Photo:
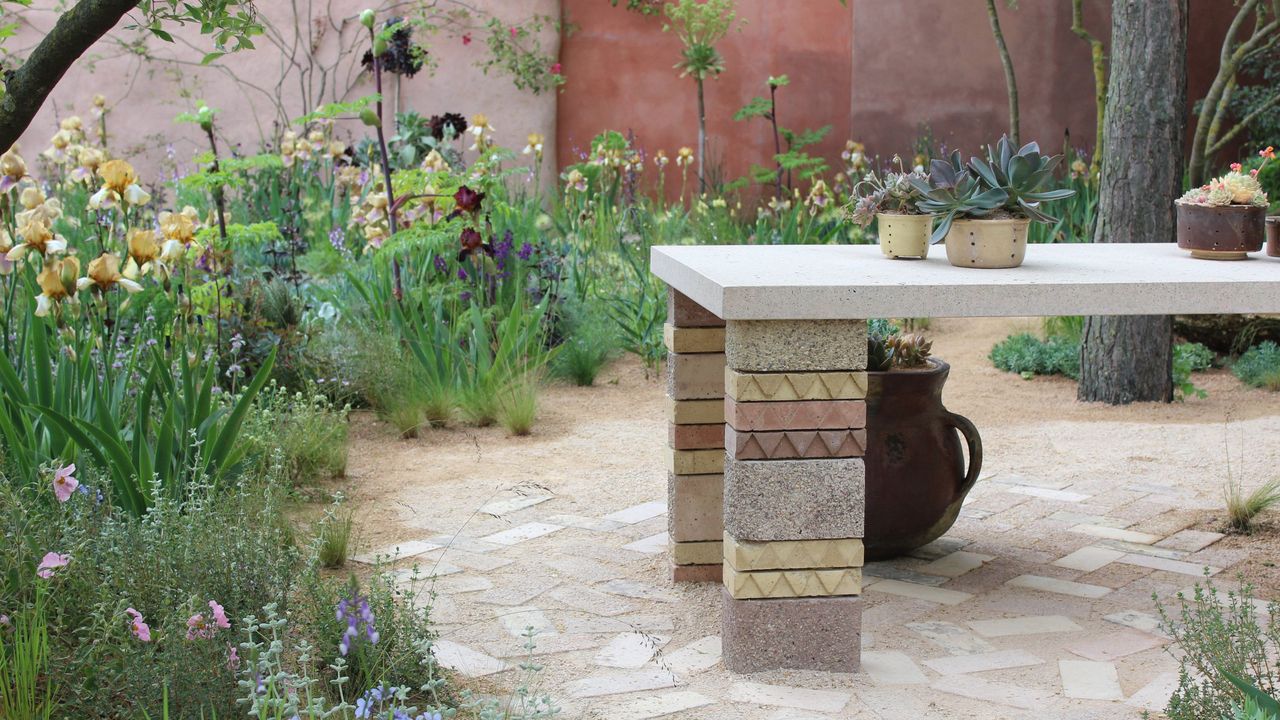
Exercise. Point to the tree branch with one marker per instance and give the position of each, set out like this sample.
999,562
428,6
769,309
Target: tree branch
75,32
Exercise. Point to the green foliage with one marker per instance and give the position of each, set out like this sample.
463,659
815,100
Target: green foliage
1189,358
1220,633
333,537
305,428
518,405
1257,704
228,21
1029,356
335,110
1260,366
589,346
26,686
700,24
517,51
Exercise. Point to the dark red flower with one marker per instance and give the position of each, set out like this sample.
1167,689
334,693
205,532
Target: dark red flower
471,241
555,69
466,38
468,200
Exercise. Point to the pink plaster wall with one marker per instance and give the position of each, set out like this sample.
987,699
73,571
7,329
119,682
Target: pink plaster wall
146,95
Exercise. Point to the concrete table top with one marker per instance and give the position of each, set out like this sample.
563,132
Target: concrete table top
832,282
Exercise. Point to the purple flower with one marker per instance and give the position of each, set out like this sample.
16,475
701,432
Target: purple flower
462,274
526,251
441,264
355,612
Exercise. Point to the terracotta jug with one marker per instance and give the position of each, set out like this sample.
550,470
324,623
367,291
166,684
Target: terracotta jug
916,474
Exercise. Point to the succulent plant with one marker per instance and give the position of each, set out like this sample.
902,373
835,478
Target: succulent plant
1022,175
910,350
1008,180
952,191
897,350
1235,188
891,192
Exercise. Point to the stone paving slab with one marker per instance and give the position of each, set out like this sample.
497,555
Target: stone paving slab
999,660
1090,680
792,697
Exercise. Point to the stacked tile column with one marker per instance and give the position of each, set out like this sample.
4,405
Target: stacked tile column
794,494
695,479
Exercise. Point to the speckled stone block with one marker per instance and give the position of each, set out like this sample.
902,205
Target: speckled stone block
693,340
695,376
774,584
696,573
796,415
697,553
695,437
792,634
794,444
793,554
695,462
777,387
695,507
695,412
796,345
767,500
683,312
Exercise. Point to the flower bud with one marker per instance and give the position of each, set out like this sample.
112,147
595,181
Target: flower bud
366,18
369,117
205,116
379,45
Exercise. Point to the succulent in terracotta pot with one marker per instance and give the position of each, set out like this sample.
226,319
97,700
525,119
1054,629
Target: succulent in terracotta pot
985,206
916,471
1226,218
890,199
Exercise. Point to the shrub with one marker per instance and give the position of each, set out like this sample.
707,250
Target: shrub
1260,366
590,345
1189,358
333,537
1243,509
1219,633
1028,356
518,406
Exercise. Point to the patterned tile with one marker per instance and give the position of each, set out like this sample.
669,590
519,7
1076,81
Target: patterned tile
796,415
756,387
774,584
795,444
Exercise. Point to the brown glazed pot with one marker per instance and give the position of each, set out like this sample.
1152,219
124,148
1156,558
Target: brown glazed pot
1228,232
1273,235
916,474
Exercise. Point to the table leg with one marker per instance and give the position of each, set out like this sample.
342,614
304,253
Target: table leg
695,479
794,494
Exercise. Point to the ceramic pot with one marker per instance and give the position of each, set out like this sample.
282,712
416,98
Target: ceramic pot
987,243
1228,232
917,476
904,236
1273,235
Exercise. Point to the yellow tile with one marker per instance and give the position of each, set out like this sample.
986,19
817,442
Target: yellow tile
770,584
793,554
693,340
697,553
695,462
763,387
695,412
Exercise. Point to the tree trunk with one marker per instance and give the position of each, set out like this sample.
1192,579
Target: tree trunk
1128,359
75,32
1011,83
702,138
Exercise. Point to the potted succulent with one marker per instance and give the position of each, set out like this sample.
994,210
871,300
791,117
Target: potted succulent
1225,219
985,206
916,473
891,200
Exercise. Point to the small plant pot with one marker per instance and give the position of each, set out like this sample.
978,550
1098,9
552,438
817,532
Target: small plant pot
1273,235
987,243
1229,232
904,236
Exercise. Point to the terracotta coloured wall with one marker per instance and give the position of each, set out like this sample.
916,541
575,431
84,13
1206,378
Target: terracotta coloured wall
879,71
619,66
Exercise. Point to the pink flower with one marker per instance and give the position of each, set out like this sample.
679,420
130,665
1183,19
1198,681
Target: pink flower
197,627
140,628
4,620
220,620
466,38
64,484
555,69
233,658
49,562
1235,167
514,33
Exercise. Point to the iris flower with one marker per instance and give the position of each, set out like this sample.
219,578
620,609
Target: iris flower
57,284
120,182
36,237
104,274
13,168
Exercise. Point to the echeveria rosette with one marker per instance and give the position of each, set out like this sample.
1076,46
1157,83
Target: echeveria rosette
1234,188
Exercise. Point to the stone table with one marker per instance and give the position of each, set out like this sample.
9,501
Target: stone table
767,380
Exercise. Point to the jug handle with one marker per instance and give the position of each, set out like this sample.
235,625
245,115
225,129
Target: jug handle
974,441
